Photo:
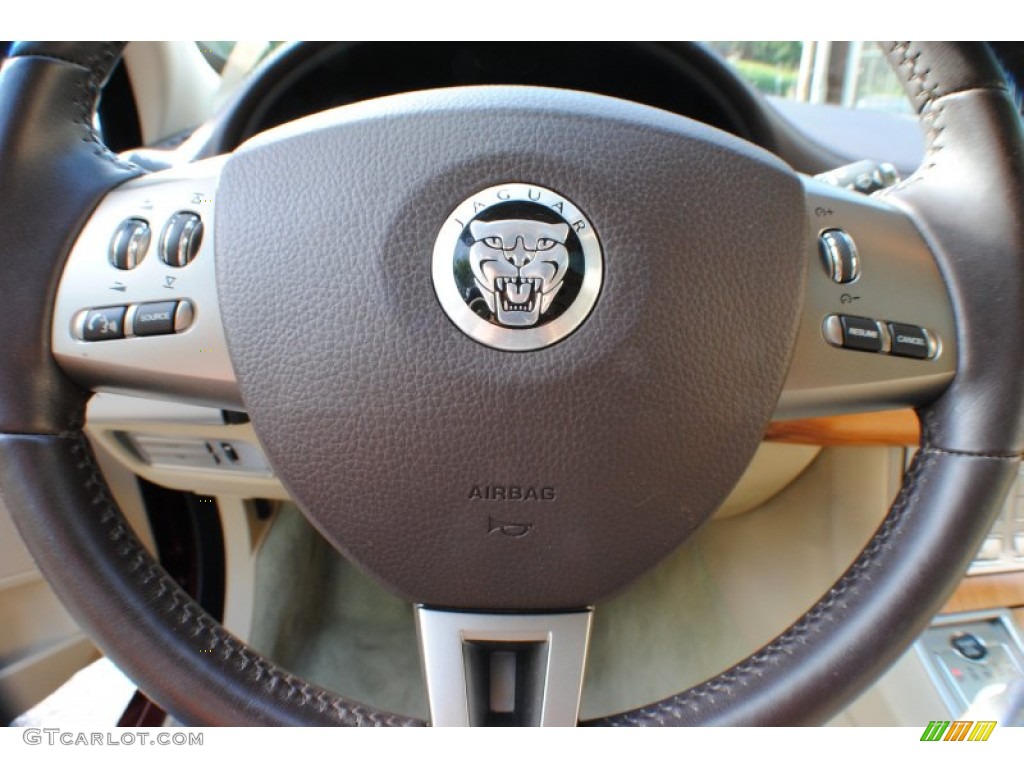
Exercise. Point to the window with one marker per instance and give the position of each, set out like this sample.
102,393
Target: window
850,74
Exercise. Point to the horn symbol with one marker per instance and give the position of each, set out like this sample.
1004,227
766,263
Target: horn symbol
515,530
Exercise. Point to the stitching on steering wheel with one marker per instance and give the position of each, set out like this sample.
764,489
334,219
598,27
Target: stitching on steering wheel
930,115
96,66
930,105
824,611
929,424
925,93
169,599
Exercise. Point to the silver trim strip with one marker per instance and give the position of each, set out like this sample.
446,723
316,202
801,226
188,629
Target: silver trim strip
133,253
165,245
115,246
933,343
78,324
184,315
833,330
185,241
443,634
129,320
885,336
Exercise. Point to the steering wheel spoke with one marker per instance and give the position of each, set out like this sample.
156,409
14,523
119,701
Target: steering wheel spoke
503,669
137,309
877,329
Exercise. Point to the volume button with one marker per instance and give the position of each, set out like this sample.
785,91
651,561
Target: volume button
181,238
129,244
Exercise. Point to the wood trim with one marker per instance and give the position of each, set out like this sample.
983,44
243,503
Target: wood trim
881,428
996,590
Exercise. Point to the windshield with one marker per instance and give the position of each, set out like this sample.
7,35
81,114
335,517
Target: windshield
851,74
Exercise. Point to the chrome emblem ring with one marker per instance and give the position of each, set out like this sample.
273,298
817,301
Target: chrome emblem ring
517,267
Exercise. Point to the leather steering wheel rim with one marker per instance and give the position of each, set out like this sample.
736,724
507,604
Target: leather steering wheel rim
972,435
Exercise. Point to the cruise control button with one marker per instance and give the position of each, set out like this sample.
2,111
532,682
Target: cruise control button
103,324
839,255
154,319
909,341
861,333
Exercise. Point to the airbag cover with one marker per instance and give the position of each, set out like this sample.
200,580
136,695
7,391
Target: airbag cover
465,476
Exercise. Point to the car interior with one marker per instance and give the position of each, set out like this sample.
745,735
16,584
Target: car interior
511,383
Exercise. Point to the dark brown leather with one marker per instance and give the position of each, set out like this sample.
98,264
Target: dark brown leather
139,616
931,70
116,591
864,622
382,416
968,199
54,170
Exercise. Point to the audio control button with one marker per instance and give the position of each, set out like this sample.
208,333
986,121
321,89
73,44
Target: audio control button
181,238
154,319
101,324
130,243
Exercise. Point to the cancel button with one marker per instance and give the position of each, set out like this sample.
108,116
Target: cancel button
155,318
909,341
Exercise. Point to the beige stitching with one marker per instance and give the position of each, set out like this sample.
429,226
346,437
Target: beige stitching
931,115
86,94
809,624
235,658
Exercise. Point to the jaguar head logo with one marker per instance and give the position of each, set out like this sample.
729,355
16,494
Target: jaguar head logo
518,265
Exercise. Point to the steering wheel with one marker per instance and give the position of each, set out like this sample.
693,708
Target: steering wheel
507,348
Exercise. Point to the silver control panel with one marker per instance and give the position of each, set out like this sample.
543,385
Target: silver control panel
138,313
971,655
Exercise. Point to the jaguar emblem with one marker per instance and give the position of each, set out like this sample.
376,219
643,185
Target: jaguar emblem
517,267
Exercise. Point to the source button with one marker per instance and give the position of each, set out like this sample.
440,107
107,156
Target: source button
154,319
